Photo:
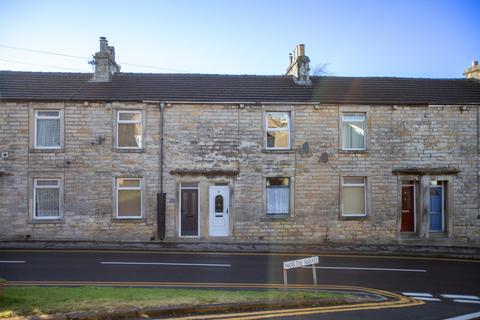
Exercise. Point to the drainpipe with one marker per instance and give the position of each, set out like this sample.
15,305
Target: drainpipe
161,196
162,122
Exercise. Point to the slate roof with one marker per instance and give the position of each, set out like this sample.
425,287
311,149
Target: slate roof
46,86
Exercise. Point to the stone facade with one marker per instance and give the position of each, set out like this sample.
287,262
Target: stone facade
87,172
208,144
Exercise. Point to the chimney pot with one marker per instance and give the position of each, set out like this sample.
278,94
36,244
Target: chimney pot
301,49
103,44
474,63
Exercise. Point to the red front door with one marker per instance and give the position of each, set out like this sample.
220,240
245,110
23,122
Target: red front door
408,209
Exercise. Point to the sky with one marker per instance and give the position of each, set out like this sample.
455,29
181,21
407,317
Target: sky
407,38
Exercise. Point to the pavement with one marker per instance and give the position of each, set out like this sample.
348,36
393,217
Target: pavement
424,248
446,287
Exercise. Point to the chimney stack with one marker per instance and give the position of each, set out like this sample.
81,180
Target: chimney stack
299,67
473,71
104,61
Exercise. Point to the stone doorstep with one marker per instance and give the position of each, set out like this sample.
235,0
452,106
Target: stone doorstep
430,249
148,312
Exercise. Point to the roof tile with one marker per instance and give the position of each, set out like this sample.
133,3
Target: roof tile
46,86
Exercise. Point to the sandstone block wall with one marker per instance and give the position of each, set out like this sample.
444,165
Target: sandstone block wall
87,173
230,138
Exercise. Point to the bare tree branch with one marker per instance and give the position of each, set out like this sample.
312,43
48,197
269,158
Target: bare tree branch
320,70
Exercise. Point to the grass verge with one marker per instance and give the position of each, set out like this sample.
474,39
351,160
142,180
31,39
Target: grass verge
28,301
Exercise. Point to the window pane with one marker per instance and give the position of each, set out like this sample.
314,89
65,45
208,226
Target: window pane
129,203
353,117
353,180
48,132
277,139
278,200
48,114
128,183
47,182
353,200
278,181
47,202
130,116
353,135
277,120
130,135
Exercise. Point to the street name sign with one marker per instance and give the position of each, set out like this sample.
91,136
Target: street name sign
299,263
311,261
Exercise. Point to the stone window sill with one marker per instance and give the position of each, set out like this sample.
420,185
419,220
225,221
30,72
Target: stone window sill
128,220
273,151
353,151
47,221
34,150
119,150
278,217
353,218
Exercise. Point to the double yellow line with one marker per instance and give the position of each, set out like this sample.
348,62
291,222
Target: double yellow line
302,311
391,300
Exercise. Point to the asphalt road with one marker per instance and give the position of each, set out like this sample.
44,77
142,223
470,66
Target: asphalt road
429,311
429,278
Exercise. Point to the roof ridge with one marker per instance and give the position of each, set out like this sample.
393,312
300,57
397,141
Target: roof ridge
216,75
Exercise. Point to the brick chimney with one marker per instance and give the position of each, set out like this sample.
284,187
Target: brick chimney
473,71
104,61
299,67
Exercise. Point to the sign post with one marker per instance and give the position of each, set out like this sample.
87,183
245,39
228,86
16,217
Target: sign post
311,261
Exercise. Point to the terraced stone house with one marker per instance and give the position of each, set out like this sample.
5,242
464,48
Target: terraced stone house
239,158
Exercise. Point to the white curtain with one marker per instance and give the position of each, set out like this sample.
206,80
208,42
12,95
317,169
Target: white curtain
48,132
47,202
353,135
278,200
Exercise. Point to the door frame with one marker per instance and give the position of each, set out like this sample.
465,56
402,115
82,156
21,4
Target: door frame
227,187
414,208
180,211
442,186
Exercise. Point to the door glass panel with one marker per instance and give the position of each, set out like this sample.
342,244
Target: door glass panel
218,203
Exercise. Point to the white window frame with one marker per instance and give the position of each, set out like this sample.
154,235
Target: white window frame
119,122
364,114
35,187
118,188
38,117
267,130
289,197
347,185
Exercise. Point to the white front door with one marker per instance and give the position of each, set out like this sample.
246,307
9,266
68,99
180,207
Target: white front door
219,211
